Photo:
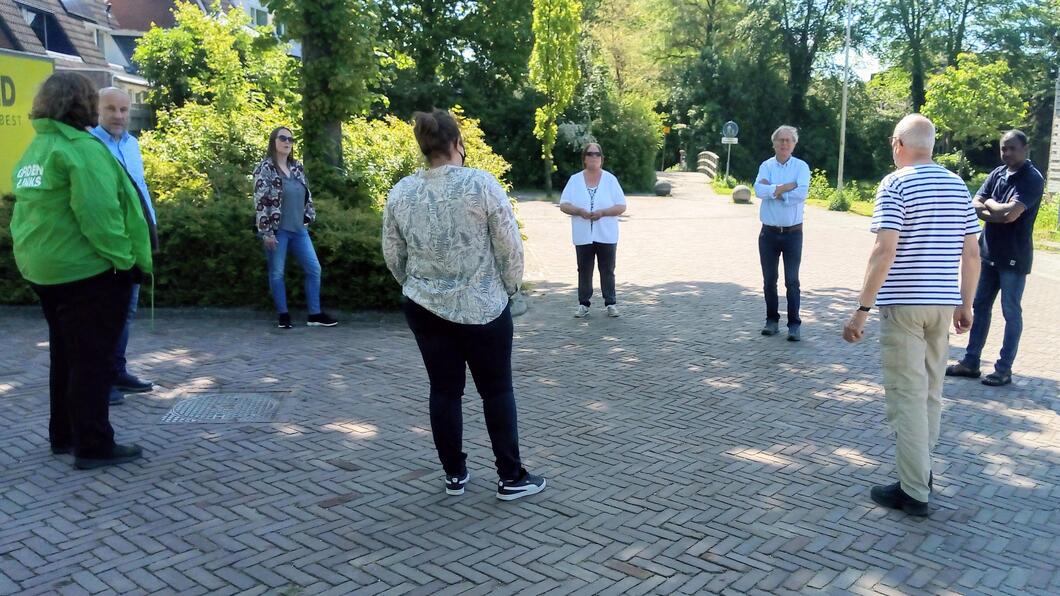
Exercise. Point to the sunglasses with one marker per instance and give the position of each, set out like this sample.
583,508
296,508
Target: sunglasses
593,154
285,138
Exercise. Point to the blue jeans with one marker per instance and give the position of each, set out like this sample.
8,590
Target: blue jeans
771,245
1010,283
123,340
302,247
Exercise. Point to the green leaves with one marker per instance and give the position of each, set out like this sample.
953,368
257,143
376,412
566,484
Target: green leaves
554,64
973,102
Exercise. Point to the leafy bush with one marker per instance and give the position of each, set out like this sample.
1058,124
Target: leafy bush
723,185
956,162
13,289
976,182
840,201
820,188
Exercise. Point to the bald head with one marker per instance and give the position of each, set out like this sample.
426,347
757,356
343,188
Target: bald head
913,141
114,111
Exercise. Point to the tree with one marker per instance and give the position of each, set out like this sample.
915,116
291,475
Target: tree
214,59
973,102
339,67
807,28
909,24
553,69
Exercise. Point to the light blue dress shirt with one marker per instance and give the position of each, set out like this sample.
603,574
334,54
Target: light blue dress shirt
127,151
787,210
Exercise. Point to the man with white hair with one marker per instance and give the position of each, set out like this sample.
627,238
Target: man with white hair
113,131
922,274
782,184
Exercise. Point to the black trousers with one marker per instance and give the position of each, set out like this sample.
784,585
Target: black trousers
85,321
448,350
771,245
602,256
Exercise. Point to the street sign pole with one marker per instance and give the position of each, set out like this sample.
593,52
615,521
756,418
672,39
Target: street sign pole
728,137
728,154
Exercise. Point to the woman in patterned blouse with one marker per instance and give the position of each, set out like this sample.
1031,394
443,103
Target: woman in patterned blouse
451,240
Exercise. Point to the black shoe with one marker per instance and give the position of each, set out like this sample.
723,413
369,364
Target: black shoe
127,383
960,370
61,449
321,319
893,497
510,490
795,333
285,321
771,328
115,398
454,485
997,379
119,454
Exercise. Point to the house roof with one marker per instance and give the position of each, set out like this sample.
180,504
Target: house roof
73,26
139,14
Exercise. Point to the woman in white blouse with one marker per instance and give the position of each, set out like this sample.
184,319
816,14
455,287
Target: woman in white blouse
451,240
594,200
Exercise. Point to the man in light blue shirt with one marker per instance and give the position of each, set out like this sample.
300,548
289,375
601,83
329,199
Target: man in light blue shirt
782,184
113,131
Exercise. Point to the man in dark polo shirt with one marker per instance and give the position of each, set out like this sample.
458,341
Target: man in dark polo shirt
1008,202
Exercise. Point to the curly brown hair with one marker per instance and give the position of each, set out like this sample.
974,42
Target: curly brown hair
67,97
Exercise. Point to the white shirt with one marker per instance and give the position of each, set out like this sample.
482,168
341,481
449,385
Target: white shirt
930,209
451,240
608,194
788,209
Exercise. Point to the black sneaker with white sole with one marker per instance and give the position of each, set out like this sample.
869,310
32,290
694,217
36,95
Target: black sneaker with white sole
510,490
454,485
321,319
284,321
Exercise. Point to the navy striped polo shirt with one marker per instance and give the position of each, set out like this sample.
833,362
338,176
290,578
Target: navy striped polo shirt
931,209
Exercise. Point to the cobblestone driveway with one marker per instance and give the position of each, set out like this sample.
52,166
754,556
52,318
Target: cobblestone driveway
685,453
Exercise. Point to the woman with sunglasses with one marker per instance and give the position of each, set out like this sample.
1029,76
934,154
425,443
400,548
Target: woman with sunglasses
284,207
594,200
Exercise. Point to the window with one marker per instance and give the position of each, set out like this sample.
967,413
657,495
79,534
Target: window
100,43
48,31
261,17
280,30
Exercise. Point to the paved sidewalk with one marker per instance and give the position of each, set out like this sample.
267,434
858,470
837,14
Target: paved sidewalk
685,453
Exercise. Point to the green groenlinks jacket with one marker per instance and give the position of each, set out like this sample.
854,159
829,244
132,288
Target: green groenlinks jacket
76,212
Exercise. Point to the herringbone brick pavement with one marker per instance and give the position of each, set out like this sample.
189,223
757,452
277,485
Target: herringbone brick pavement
685,453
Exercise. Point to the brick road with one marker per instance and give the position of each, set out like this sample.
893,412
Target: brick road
685,453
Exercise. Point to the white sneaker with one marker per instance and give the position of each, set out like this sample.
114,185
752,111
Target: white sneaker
612,310
582,312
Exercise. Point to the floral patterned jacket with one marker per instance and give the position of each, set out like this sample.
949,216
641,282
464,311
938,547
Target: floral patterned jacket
451,240
268,195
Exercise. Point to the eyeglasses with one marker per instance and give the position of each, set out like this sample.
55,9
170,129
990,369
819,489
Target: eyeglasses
285,138
892,139
593,154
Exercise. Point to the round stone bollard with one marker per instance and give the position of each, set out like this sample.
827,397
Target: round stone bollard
663,188
741,194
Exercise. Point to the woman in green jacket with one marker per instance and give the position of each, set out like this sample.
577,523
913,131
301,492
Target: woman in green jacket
80,239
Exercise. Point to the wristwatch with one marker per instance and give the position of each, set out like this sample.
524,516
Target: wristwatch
863,308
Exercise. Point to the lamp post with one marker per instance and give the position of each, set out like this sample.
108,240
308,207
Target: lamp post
843,117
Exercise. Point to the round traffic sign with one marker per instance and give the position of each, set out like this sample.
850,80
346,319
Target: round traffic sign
730,129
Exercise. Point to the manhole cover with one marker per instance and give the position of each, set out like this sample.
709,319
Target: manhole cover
230,407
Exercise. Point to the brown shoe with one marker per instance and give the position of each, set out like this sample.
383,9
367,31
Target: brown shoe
960,370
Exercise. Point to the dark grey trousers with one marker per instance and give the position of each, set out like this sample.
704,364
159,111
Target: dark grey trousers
603,256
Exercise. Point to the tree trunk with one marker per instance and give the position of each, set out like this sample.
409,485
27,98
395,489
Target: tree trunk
548,177
916,89
323,134
799,83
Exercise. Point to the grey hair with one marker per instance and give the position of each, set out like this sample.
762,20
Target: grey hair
785,128
916,132
114,90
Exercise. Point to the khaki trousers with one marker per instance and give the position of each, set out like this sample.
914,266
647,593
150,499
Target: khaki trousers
914,341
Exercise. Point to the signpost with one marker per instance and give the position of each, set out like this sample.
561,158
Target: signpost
729,132
20,76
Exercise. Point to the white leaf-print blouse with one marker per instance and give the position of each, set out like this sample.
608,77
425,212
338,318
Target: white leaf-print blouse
451,240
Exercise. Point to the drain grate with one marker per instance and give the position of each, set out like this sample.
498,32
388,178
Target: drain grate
220,409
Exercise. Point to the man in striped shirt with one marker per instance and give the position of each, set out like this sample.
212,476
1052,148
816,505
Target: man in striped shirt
922,274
